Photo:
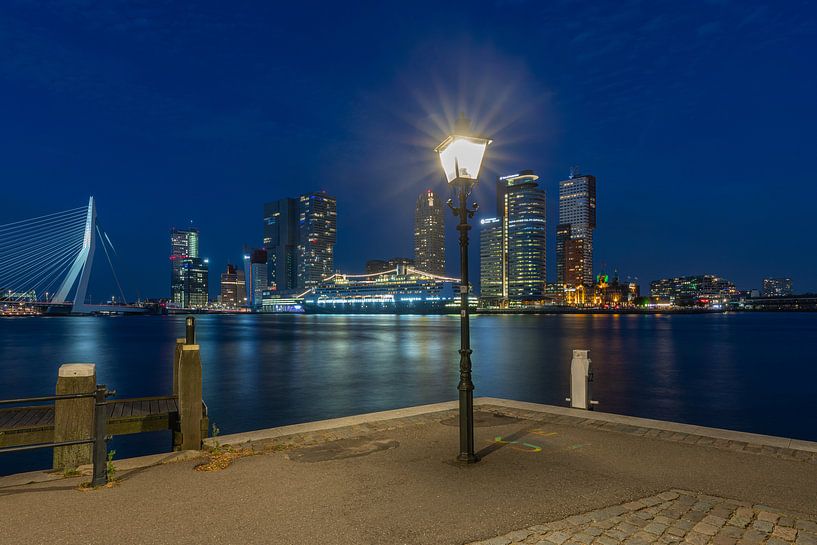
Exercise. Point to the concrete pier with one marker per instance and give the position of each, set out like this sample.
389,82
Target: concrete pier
554,475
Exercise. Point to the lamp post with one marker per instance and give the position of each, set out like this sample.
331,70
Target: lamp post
461,157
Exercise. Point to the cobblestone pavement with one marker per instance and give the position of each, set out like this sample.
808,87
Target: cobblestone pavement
669,518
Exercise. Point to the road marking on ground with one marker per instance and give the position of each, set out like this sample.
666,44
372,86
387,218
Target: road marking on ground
523,446
528,446
544,433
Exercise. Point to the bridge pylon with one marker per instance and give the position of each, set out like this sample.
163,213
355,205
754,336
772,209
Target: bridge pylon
81,268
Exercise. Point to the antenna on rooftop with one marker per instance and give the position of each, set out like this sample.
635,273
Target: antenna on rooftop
574,172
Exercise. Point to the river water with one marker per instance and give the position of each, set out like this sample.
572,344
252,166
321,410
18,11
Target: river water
753,372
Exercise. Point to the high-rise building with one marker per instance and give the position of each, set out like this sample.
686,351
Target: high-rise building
777,287
562,240
233,289
184,244
577,210
574,263
317,234
281,243
491,262
513,265
195,284
255,273
429,234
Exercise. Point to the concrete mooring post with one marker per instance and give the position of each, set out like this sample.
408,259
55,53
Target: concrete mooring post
74,418
581,375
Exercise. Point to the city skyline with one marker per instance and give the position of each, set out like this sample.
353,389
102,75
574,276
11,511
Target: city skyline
688,130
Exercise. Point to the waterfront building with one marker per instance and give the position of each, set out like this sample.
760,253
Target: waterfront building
404,290
577,210
374,266
233,287
281,243
789,303
613,293
513,245
562,239
574,280
317,234
698,290
184,244
255,273
777,287
194,273
491,263
429,233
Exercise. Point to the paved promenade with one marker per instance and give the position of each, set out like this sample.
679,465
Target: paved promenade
547,475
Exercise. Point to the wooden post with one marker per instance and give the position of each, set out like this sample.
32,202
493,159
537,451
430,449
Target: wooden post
74,418
189,397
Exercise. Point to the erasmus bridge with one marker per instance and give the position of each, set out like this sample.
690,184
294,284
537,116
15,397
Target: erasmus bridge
46,262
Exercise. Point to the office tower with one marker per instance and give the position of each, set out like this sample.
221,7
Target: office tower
513,264
281,243
577,209
562,239
255,274
777,287
574,271
491,259
195,284
317,234
374,266
184,244
429,234
233,288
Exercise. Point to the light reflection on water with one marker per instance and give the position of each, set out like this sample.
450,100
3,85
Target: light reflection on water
262,370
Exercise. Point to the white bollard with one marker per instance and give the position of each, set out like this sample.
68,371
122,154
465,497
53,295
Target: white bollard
581,375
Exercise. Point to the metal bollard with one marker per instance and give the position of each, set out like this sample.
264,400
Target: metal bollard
190,333
581,375
100,455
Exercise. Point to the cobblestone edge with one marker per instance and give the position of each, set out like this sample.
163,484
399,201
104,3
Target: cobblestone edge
674,517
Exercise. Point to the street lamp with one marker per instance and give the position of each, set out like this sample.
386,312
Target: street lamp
461,157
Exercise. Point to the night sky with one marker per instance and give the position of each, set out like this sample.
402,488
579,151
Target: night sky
697,118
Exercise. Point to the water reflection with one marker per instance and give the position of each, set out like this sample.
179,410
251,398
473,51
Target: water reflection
263,370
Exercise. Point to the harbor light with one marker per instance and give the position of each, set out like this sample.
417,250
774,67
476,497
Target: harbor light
461,157
461,153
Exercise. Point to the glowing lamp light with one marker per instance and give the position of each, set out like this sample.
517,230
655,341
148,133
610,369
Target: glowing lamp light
461,154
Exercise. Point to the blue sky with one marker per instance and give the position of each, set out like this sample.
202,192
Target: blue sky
697,118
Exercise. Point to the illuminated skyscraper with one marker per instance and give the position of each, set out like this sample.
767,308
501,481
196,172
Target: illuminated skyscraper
281,243
233,290
513,247
255,273
491,261
577,220
429,234
194,272
184,245
317,234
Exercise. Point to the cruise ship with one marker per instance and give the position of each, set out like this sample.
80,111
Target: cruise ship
402,290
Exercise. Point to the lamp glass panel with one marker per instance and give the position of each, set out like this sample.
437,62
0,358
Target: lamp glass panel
463,153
